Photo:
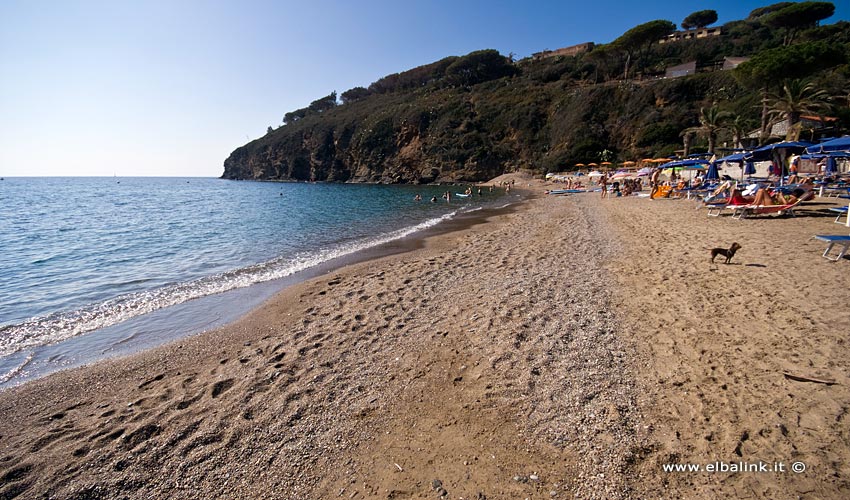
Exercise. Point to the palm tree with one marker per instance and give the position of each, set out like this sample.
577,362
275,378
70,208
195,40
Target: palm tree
711,121
738,126
687,136
796,98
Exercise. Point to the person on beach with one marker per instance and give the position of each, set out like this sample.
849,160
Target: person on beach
603,182
653,181
794,167
765,198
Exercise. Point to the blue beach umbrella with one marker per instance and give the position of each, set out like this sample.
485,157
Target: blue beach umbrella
830,167
733,158
712,174
775,153
691,163
840,144
749,168
770,151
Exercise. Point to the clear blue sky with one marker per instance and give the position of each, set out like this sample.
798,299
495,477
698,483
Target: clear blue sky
170,88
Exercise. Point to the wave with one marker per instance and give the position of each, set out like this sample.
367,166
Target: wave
5,377
62,326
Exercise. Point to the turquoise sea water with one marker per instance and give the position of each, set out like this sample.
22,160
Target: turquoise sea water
82,255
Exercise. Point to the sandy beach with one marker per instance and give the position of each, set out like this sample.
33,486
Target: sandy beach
568,349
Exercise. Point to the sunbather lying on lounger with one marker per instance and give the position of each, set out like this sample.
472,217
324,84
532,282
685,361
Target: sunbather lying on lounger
765,198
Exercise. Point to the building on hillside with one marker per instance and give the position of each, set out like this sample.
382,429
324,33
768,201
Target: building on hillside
689,68
692,34
733,62
810,126
565,51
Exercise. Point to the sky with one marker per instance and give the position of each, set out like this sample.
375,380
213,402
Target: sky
171,88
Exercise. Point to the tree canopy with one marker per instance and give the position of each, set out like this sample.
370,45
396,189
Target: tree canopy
795,61
762,11
639,39
323,103
479,66
355,94
699,19
798,15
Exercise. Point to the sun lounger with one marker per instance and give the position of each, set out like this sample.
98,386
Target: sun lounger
742,212
834,239
842,212
716,208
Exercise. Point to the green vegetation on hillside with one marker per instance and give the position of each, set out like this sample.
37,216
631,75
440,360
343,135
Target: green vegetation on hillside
476,116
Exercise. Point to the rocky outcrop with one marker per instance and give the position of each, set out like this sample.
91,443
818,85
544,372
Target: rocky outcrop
351,154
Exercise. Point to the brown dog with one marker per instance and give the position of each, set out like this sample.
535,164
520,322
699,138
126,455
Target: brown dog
726,252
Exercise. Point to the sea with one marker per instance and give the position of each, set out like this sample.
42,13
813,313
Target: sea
97,267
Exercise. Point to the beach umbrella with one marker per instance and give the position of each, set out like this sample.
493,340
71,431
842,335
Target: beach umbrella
770,151
580,165
645,171
712,174
840,144
592,165
595,173
818,156
733,158
830,167
749,168
622,175
776,153
628,163
689,163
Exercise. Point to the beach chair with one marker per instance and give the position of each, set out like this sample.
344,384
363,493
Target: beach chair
832,240
842,212
717,207
742,212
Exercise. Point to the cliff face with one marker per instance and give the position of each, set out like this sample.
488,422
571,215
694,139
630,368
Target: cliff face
328,155
372,145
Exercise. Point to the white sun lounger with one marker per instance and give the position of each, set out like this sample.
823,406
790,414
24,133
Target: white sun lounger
842,241
842,212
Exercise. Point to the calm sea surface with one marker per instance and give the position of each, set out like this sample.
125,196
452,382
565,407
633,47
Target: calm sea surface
79,257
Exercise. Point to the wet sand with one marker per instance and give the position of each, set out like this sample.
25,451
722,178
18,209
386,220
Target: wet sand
567,349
